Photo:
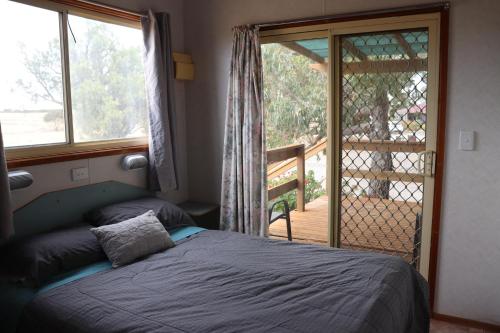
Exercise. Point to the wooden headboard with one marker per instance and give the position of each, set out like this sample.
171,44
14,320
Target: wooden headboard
66,207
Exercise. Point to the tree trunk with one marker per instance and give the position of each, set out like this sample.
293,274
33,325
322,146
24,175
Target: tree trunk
379,130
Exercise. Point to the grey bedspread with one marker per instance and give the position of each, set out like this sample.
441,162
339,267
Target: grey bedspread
227,282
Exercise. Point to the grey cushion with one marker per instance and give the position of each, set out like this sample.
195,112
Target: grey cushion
129,240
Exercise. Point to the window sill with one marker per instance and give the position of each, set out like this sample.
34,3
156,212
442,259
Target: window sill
21,157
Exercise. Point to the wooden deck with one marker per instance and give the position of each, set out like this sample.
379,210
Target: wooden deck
367,223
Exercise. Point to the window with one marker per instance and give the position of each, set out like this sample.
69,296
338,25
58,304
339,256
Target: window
107,81
31,89
69,81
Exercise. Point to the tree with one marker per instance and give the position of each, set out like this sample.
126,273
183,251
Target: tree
45,69
370,100
109,97
295,98
107,83
379,130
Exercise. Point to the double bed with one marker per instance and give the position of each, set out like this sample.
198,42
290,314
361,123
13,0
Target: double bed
214,281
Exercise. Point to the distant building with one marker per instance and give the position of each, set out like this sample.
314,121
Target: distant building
415,113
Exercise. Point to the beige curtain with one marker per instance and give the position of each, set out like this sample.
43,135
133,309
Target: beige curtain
244,176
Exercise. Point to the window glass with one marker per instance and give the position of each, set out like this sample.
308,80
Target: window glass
107,81
31,93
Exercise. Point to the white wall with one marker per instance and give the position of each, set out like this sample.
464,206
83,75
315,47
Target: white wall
469,257
57,176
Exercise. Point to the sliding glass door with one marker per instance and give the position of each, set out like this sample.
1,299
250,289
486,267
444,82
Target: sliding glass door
385,93
383,118
381,76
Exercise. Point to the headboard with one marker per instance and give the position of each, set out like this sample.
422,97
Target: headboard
60,208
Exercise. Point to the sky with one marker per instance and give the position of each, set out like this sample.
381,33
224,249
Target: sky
35,28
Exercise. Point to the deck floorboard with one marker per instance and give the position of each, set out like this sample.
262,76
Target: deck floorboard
367,223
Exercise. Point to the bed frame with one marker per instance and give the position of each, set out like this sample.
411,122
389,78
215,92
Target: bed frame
66,207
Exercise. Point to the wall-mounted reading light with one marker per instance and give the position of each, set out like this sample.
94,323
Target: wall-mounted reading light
20,179
131,162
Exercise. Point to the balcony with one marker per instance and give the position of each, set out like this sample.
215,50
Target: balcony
367,223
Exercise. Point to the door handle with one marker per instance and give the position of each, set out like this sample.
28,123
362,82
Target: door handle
427,168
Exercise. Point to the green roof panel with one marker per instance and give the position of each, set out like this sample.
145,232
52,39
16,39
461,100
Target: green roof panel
318,46
374,45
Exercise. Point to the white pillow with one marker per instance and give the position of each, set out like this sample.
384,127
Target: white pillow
129,240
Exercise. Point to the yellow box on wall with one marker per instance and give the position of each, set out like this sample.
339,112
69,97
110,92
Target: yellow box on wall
184,67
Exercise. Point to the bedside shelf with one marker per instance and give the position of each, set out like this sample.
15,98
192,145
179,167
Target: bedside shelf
205,215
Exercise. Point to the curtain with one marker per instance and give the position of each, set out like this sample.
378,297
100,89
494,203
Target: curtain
244,175
6,223
159,73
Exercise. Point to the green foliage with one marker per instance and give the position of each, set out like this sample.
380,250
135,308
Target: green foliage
109,100
313,189
295,98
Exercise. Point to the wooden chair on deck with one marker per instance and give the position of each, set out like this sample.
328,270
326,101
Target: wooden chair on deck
285,214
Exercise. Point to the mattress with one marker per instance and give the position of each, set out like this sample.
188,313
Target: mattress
217,281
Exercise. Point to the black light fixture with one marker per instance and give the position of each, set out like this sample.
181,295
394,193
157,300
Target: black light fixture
20,179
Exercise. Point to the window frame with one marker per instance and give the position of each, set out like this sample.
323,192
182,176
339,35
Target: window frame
71,150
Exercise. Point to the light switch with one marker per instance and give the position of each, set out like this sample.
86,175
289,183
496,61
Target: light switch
79,174
466,141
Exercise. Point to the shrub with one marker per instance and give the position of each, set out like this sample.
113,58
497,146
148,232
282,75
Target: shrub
313,189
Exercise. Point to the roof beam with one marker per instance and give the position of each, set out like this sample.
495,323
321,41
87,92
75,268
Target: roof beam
304,51
320,67
405,45
349,46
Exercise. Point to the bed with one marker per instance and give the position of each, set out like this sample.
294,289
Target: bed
214,281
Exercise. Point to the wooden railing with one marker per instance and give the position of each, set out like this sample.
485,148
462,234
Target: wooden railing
384,146
283,159
297,153
276,169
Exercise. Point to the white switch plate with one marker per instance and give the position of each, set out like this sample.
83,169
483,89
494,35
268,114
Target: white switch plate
466,141
79,174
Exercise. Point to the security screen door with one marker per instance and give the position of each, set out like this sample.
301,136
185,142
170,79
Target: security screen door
382,77
385,82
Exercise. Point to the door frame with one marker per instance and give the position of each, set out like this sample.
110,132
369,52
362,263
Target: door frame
431,23
271,31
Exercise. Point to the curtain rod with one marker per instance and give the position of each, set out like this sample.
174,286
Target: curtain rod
357,15
99,4
115,8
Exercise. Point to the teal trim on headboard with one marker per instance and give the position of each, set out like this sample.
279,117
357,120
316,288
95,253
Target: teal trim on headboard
57,209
